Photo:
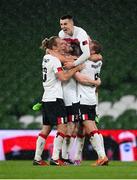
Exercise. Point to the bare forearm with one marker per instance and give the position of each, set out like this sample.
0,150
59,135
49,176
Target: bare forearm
82,58
70,73
64,76
86,80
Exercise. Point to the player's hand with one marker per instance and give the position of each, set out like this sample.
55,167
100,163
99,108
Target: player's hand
69,65
37,107
80,67
98,82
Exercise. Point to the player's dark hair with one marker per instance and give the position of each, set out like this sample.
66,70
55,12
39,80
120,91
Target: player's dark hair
49,43
66,17
97,47
76,50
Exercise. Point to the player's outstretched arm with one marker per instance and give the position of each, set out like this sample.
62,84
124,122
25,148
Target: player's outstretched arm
64,76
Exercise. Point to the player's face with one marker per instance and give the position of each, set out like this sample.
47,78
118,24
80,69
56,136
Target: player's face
58,45
91,46
67,26
63,45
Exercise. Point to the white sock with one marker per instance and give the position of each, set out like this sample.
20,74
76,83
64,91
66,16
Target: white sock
102,143
97,145
57,146
70,145
79,148
40,143
65,147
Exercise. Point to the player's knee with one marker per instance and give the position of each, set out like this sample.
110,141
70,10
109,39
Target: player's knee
92,133
62,128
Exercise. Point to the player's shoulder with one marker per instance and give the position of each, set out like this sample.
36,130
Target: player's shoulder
96,64
79,30
49,57
80,33
61,34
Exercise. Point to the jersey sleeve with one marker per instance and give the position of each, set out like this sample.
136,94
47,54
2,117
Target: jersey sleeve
84,45
57,67
61,34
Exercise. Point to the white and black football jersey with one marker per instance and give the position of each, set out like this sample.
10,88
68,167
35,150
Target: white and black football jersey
80,36
70,92
51,84
86,94
70,87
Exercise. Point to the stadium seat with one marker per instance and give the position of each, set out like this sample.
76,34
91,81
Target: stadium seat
133,106
38,119
128,99
119,106
26,120
103,107
114,113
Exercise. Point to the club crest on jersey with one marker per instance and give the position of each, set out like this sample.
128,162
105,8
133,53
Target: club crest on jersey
85,42
46,60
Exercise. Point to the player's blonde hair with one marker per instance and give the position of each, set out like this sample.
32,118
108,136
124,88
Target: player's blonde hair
49,43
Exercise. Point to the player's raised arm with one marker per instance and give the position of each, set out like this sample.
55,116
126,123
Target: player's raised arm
84,45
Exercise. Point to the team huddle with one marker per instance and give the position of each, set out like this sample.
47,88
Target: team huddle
71,68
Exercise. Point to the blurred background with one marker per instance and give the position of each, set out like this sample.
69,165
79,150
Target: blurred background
24,24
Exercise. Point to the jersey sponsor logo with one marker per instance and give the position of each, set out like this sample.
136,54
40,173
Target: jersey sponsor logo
96,66
85,42
59,69
70,40
127,147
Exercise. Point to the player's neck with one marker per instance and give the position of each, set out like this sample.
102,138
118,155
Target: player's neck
71,32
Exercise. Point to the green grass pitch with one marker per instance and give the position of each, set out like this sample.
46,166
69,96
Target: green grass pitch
25,170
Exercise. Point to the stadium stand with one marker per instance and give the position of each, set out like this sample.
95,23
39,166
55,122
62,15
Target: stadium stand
114,113
107,111
104,107
133,106
23,26
26,120
119,107
128,99
38,119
